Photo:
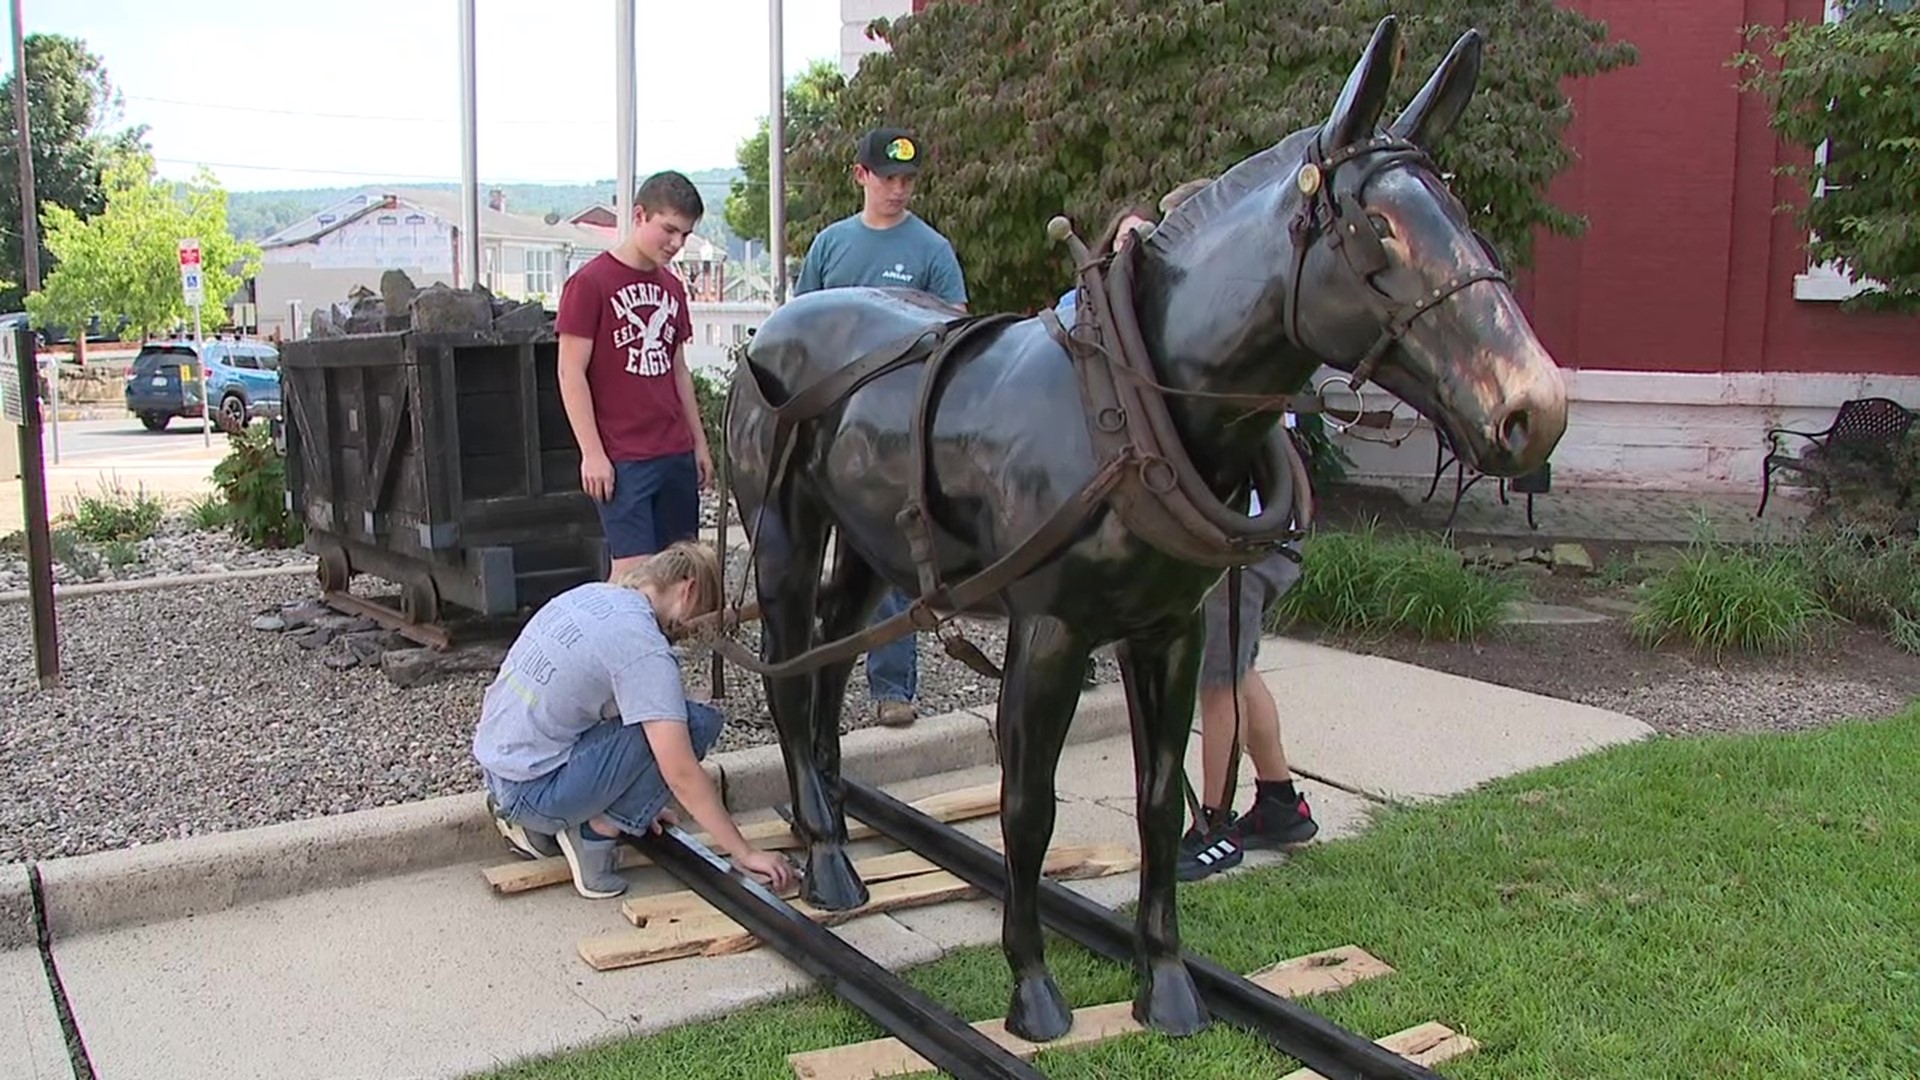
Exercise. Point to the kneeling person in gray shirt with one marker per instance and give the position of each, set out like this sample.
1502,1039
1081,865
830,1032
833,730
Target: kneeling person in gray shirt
587,729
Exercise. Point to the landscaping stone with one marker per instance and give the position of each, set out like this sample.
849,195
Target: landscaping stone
272,623
1530,613
408,668
1571,559
528,316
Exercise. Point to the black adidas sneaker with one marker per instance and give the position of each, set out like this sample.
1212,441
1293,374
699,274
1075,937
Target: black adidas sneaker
1210,852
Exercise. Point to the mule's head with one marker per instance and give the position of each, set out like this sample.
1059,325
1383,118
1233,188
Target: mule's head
1394,285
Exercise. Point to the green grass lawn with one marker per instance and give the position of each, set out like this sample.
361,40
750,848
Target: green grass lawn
1713,907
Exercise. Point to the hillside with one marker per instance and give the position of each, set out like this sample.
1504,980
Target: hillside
253,215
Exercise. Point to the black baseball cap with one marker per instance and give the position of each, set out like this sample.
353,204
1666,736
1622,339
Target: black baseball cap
889,151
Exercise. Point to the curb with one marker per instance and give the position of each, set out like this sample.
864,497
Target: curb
16,908
96,588
182,878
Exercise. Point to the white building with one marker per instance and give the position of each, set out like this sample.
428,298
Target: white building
318,261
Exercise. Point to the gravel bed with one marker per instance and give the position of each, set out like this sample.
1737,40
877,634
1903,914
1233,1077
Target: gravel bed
1707,700
177,548
178,718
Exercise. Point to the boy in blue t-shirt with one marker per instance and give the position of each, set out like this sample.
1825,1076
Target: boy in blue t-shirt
886,245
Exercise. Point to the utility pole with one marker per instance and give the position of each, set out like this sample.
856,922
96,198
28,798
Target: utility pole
777,153
625,110
469,149
33,473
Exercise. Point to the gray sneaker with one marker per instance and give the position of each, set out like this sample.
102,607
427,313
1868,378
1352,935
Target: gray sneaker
592,863
524,841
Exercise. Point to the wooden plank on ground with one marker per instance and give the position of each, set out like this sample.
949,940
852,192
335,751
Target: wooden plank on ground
1428,1044
687,904
963,804
1303,976
717,935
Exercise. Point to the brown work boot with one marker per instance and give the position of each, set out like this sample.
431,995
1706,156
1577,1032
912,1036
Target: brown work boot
894,713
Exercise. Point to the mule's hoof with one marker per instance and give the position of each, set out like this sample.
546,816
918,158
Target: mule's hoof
1039,1011
1170,1003
831,882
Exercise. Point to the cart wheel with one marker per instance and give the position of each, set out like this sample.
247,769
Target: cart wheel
334,570
420,601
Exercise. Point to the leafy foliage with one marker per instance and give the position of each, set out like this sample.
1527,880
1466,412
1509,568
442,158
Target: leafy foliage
125,261
1030,108
1362,582
1853,82
810,102
1720,597
710,394
71,103
117,514
253,480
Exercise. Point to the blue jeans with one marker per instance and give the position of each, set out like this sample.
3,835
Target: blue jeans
655,503
893,668
611,771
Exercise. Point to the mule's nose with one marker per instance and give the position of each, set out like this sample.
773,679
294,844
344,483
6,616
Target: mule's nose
1529,424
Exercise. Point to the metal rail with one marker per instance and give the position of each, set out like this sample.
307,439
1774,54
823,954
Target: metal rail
1321,1045
944,1039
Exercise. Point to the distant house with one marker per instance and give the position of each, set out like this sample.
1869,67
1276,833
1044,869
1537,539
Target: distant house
320,260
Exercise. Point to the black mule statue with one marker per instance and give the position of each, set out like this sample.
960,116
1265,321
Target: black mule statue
1341,246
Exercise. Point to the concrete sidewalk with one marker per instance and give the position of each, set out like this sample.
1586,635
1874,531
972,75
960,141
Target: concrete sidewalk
430,974
175,475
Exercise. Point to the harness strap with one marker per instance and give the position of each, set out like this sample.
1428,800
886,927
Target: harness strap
1045,541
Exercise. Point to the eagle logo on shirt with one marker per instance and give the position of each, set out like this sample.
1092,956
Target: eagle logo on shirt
648,312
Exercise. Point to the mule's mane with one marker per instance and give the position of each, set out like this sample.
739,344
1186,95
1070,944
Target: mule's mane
1233,186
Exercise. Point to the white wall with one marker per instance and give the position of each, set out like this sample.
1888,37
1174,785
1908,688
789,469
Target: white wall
854,17
1665,431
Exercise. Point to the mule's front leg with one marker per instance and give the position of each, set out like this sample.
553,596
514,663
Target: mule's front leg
787,557
1160,677
1044,666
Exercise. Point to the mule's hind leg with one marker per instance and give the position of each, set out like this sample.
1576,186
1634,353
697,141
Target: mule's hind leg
1045,663
1161,675
787,556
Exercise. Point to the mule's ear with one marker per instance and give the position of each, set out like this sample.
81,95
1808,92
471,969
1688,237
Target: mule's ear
1365,95
1433,111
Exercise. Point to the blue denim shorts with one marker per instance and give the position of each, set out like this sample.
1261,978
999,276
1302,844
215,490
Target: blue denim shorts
655,502
611,770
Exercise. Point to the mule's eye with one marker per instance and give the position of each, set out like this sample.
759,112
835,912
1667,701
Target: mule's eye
1381,228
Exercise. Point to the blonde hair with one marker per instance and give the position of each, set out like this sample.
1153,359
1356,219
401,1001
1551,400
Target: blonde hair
684,560
1172,199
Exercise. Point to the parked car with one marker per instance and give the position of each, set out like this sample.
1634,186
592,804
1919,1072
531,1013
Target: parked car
243,381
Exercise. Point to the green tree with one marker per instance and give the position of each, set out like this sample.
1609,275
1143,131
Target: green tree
125,260
70,106
1031,108
1852,84
810,102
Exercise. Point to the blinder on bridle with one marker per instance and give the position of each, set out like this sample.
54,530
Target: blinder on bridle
1344,221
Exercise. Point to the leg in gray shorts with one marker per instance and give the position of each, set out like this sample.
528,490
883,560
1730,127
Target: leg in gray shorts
1261,586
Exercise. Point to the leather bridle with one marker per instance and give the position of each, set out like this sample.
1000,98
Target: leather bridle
1344,223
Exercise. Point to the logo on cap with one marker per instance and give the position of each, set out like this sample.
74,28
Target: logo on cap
901,150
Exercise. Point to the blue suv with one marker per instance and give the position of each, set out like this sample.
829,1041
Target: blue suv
243,381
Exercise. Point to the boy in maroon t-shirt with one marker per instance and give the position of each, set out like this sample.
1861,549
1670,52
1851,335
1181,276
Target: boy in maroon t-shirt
623,327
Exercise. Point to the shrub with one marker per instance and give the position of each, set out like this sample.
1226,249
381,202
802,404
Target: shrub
68,552
209,512
1359,582
710,394
1719,597
253,480
117,514
121,553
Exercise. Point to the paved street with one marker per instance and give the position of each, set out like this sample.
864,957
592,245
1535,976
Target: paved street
124,440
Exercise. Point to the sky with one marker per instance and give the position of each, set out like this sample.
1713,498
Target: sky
305,93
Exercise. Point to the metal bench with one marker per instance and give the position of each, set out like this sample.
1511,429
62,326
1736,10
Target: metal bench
1537,482
1861,424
